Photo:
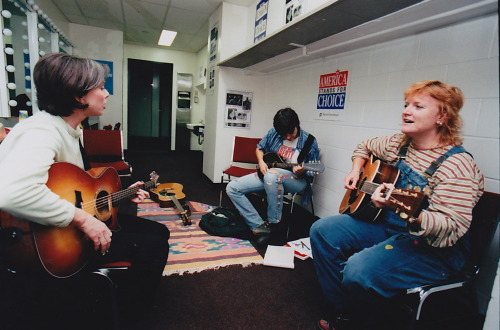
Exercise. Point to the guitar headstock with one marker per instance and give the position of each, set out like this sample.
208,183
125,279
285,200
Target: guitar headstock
316,167
407,203
154,178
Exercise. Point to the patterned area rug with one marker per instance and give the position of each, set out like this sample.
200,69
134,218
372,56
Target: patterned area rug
192,249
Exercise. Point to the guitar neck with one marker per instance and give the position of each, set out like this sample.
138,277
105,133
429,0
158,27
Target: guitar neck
130,192
176,203
369,187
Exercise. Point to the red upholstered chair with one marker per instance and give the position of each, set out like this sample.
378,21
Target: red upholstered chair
243,161
104,148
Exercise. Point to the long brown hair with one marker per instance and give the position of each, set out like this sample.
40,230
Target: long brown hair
451,100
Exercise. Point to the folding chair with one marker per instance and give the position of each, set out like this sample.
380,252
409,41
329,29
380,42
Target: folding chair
482,232
104,148
243,161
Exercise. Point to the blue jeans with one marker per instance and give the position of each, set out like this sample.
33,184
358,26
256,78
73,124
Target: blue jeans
276,185
364,261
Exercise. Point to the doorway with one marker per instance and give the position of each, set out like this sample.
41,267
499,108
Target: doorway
149,105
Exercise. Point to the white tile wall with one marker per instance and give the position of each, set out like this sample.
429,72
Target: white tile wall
464,54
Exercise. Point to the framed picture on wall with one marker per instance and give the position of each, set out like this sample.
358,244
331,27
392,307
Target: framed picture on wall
238,109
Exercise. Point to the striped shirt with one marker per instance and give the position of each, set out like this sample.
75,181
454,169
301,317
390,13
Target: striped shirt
455,187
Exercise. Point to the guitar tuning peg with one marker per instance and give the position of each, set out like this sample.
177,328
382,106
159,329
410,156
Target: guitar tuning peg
417,189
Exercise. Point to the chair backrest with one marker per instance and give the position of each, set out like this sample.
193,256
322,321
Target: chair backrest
103,143
485,217
244,149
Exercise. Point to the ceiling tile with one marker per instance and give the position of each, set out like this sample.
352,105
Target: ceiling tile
68,7
144,14
176,19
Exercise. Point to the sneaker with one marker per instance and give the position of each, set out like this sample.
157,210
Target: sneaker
340,322
261,230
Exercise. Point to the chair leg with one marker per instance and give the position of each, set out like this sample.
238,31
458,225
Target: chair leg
112,294
221,188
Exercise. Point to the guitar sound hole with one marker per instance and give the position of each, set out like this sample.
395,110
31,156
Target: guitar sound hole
102,203
165,192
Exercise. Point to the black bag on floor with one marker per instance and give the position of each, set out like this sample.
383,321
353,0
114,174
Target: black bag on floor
225,222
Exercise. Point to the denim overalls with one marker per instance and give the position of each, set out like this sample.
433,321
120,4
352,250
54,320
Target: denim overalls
363,261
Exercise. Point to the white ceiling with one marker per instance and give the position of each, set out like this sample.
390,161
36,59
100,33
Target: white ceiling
142,20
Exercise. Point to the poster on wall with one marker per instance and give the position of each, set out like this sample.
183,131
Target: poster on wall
109,80
332,95
238,110
211,79
260,20
293,9
214,37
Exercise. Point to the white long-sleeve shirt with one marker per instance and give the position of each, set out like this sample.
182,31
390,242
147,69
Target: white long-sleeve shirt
26,155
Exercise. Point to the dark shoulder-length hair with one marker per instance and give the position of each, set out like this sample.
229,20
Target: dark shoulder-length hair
451,100
285,121
62,78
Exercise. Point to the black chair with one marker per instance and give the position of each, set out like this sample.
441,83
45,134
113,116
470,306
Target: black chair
482,233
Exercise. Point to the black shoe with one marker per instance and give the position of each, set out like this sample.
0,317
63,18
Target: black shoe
262,230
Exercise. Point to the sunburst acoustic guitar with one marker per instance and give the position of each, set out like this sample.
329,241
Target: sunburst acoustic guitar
406,203
64,251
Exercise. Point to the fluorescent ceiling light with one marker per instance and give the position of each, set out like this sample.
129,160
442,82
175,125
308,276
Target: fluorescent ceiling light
167,37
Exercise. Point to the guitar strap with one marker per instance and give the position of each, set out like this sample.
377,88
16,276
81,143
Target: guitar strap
85,158
429,172
305,149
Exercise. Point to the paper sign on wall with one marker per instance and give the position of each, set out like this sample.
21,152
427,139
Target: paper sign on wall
332,95
109,80
260,20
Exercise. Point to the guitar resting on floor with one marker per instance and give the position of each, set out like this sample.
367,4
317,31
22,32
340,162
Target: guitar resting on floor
64,251
274,160
170,194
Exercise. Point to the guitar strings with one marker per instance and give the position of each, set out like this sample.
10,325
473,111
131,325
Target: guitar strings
116,196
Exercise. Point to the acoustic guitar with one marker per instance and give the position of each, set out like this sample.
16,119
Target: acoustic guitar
274,160
170,194
405,202
64,251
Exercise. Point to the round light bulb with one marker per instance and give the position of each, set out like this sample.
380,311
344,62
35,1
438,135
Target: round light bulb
10,68
7,32
6,14
11,86
9,51
12,103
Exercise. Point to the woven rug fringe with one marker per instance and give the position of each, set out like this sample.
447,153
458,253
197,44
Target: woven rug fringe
200,269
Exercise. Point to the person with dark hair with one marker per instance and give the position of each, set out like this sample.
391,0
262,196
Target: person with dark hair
360,262
289,141
69,90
